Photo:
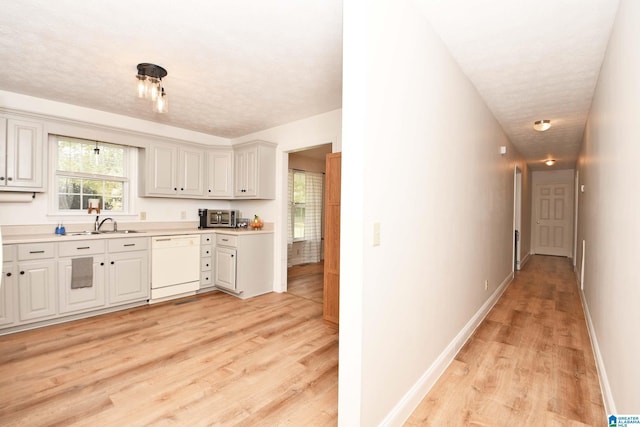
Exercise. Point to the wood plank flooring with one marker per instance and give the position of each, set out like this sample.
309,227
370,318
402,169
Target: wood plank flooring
212,360
306,281
529,363
272,360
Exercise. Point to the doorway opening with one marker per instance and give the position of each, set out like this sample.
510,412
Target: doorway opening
517,216
305,222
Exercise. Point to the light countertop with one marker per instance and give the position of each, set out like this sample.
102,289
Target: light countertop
40,233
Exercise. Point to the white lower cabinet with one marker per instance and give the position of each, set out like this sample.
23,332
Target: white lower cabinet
206,261
73,296
36,290
244,264
128,263
8,283
225,269
36,282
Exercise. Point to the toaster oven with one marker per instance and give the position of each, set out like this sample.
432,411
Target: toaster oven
218,218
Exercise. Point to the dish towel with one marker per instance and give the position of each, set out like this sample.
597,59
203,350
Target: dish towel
81,273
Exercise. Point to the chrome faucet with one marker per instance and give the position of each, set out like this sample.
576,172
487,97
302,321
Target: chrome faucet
99,223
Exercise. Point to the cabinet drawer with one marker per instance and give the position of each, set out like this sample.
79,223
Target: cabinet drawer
206,251
8,253
206,263
130,244
206,239
205,278
81,247
226,240
29,251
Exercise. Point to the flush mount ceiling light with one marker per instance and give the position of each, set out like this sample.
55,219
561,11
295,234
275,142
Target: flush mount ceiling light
149,86
542,125
550,162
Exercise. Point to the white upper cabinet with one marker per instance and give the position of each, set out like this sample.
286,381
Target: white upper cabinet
219,169
254,170
22,155
172,170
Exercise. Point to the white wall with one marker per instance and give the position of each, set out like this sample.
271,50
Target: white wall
421,155
609,213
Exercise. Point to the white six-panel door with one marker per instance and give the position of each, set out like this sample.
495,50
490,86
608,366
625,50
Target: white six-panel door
553,219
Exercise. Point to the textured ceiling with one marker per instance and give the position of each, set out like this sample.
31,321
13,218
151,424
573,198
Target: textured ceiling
530,60
236,67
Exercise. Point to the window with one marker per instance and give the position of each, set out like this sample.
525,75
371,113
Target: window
299,205
90,170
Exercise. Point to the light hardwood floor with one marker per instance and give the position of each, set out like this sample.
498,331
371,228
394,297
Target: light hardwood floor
272,360
216,360
306,281
529,363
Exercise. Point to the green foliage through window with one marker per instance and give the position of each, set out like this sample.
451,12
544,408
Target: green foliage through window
81,174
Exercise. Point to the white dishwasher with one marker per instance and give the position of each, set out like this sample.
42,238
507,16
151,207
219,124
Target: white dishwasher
175,266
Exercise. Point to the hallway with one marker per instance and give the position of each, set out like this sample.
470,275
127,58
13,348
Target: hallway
529,363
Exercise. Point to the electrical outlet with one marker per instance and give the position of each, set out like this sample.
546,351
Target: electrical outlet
143,216
486,285
183,215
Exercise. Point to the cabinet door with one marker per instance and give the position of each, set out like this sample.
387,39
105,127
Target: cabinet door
37,290
219,174
81,299
128,277
3,152
7,289
191,169
162,169
25,155
225,268
246,172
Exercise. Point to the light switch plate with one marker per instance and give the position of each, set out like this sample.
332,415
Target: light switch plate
376,234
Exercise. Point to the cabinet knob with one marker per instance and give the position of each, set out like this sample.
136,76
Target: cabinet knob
22,272
102,263
9,179
175,189
9,274
113,262
1,178
231,256
182,189
209,191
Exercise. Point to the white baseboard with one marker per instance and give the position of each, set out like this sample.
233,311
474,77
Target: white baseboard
524,260
410,401
609,405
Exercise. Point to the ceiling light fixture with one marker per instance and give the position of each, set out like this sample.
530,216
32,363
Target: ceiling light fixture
550,162
542,125
150,86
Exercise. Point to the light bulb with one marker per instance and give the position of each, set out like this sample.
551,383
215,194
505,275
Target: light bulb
161,104
141,86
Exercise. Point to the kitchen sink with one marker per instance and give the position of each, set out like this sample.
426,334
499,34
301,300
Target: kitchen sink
89,233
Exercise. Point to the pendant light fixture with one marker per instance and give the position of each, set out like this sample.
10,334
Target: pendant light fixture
542,125
149,86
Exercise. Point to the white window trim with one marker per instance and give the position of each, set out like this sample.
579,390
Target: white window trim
131,159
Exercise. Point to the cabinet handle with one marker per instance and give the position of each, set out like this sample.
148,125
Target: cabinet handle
36,252
84,247
129,244
22,272
163,240
9,274
225,240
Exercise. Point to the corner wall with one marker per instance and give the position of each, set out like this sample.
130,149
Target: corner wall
609,215
421,158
